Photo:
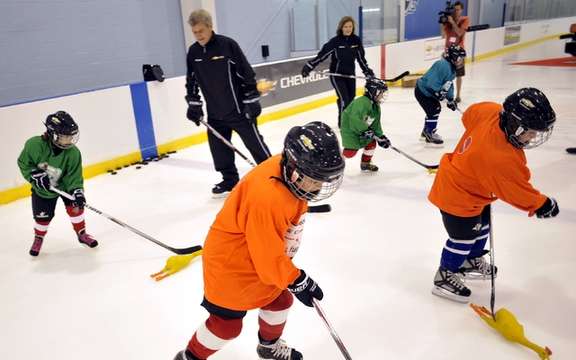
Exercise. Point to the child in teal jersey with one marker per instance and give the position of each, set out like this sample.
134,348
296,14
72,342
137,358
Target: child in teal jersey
437,85
52,159
360,128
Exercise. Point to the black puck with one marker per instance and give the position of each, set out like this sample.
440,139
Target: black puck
138,167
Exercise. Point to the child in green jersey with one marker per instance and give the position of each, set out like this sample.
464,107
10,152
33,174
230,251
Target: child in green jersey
53,160
361,127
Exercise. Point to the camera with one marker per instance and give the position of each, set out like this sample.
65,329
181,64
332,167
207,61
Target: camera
448,11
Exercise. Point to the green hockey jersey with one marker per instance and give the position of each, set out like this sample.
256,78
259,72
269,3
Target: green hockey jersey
64,169
360,115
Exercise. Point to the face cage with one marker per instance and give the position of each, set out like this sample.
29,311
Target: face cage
541,137
56,140
327,189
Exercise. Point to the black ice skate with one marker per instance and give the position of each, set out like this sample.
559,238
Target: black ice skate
477,269
185,355
277,351
36,246
449,285
368,167
222,189
431,138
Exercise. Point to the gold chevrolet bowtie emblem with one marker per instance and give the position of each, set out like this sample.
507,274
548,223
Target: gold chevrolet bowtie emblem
307,142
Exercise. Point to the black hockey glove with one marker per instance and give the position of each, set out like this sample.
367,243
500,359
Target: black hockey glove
548,210
383,142
369,75
252,107
40,179
306,70
367,135
304,288
452,105
79,199
195,112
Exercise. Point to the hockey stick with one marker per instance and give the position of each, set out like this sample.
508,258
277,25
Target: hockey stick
364,77
225,141
492,282
183,251
428,167
335,336
311,209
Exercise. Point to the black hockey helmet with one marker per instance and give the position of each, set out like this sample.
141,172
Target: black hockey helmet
312,163
374,88
455,55
62,130
527,118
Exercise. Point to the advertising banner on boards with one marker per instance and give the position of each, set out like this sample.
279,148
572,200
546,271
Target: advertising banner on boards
290,84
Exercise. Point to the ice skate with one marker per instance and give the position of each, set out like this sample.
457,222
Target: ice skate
277,351
88,240
368,167
36,246
477,269
449,285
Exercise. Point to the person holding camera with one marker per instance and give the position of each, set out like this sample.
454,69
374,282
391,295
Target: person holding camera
344,50
217,66
454,27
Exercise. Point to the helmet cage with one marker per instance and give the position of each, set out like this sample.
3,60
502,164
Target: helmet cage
311,188
374,88
515,131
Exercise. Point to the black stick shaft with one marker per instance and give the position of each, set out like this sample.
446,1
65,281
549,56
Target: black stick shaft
429,167
188,250
225,141
492,281
335,336
364,77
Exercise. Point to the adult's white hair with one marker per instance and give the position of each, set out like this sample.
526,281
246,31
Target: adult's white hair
200,16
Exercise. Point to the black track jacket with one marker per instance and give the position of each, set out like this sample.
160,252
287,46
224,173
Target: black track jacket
222,72
343,51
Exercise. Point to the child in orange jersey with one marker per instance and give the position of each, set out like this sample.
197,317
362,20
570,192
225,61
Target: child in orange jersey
247,256
487,164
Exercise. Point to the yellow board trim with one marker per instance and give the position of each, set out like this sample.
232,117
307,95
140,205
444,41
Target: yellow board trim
9,195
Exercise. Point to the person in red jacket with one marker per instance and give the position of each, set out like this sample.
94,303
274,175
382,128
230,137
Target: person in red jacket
487,164
247,256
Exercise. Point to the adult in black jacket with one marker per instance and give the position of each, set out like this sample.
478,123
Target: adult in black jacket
217,66
344,50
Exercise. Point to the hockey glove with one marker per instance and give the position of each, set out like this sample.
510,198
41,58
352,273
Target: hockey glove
369,74
452,105
195,112
305,289
306,70
252,108
40,179
548,210
79,199
383,141
367,135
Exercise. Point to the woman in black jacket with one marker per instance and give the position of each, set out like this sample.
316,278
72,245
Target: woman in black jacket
344,49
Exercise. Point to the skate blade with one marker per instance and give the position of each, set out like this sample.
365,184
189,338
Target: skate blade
438,291
220,196
476,276
429,144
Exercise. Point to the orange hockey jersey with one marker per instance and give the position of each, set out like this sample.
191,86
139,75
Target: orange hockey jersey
483,167
247,254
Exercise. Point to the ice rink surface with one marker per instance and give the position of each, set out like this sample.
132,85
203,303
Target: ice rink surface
374,255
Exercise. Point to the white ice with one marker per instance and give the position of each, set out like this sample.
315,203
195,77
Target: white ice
374,255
